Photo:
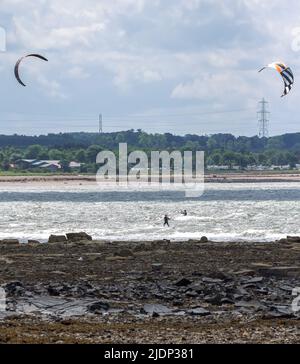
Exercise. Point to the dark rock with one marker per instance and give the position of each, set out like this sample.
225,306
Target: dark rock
140,248
193,241
280,271
98,307
192,294
215,300
287,288
14,288
280,312
238,297
245,272
220,275
33,242
282,241
157,267
262,291
199,311
124,253
184,282
10,241
57,239
242,291
74,237
204,239
227,301
254,280
293,239
54,291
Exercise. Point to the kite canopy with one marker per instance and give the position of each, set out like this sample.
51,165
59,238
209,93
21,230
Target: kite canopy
286,74
19,62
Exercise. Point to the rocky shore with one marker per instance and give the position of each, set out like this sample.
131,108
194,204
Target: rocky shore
76,290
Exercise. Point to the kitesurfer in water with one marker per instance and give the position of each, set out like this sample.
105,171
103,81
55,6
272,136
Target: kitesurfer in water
166,220
184,213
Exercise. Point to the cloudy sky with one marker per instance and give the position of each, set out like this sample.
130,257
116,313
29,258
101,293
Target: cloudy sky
181,66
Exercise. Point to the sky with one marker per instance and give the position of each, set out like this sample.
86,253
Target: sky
179,66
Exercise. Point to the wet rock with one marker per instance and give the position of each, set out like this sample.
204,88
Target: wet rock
204,239
192,294
282,241
279,312
159,244
254,280
280,271
54,291
238,297
98,307
115,258
82,236
124,253
184,282
293,239
221,276
140,248
227,301
286,288
245,272
57,239
212,280
157,267
255,305
10,242
14,288
262,291
199,311
33,242
155,309
215,300
242,291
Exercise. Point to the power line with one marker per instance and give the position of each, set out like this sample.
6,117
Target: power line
127,117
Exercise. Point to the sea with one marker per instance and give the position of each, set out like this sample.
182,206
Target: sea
257,212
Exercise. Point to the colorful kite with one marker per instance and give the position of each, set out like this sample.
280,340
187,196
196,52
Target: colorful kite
286,74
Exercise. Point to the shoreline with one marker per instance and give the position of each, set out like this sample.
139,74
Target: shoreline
123,242
209,178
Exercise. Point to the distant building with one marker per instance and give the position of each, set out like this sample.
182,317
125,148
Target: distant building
24,163
49,165
75,165
219,168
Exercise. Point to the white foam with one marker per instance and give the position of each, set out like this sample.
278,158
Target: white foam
223,220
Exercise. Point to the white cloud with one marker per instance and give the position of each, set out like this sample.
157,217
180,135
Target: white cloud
158,51
78,73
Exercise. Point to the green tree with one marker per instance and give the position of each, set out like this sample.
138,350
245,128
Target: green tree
92,152
34,151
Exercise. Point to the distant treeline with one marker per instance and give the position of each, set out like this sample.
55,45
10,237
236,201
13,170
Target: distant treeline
221,149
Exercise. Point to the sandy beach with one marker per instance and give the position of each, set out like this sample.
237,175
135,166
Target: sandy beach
150,292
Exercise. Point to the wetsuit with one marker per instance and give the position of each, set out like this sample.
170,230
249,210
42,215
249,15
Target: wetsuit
166,221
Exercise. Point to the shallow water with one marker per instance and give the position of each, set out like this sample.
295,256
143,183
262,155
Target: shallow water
250,212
